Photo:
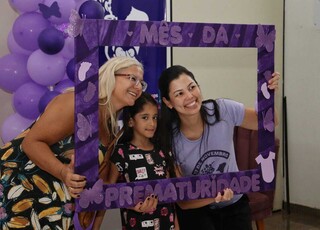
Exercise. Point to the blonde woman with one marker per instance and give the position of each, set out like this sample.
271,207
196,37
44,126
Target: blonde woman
38,183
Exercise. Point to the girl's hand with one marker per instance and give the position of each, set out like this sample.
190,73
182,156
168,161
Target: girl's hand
149,204
273,83
74,182
227,195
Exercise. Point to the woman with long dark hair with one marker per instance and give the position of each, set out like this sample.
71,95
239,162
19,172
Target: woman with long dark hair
200,136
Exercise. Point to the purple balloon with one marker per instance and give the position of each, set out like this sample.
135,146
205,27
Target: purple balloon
26,99
51,40
46,69
71,69
45,99
13,126
79,3
14,47
68,48
91,10
65,77
25,6
63,85
57,11
13,72
27,28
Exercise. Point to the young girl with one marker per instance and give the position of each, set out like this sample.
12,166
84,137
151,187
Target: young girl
136,157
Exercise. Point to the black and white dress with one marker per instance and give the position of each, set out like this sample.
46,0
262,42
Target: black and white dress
135,164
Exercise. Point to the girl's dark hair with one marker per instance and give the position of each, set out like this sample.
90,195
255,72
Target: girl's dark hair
169,118
130,112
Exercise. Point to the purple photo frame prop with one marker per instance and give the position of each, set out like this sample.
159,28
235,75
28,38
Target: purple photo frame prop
96,33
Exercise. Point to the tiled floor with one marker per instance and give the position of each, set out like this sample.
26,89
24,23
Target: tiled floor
282,221
278,221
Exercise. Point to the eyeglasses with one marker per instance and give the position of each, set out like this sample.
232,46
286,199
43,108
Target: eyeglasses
134,80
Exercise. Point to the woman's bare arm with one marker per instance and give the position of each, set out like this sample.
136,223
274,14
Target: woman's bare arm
56,123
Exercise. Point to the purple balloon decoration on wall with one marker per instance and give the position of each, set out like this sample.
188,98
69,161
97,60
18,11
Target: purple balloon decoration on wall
25,5
68,48
51,40
79,3
13,72
39,51
45,99
46,69
13,126
57,11
26,99
71,69
91,10
27,28
14,47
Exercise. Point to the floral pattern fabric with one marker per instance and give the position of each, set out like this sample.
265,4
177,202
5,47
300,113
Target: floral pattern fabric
31,198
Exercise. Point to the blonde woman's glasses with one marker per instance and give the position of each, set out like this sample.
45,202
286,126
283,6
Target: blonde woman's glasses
134,80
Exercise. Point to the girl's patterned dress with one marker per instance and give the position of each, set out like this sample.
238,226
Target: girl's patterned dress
135,164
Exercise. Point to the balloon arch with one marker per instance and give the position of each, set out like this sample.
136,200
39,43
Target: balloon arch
40,64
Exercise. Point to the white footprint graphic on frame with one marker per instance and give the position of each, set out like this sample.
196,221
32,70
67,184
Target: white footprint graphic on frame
264,90
83,69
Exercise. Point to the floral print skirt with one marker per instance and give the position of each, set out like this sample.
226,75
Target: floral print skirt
31,198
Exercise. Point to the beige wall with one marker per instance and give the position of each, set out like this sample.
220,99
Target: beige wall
225,72
302,69
7,17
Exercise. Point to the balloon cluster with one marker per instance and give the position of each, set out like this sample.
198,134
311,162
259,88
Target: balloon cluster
40,64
